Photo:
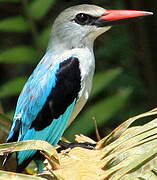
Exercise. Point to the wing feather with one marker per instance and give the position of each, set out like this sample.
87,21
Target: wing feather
56,130
32,99
45,105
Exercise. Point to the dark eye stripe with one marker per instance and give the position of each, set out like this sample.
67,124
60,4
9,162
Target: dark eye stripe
85,19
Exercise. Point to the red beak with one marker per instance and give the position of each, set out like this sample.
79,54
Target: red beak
113,16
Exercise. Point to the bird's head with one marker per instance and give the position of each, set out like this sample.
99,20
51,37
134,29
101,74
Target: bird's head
80,25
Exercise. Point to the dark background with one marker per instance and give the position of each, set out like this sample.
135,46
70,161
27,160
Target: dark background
125,81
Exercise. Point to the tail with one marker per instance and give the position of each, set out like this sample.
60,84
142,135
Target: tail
6,157
12,137
51,134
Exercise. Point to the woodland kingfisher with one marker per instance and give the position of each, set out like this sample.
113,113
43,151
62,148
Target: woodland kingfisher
61,83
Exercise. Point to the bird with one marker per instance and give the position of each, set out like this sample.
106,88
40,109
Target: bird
61,83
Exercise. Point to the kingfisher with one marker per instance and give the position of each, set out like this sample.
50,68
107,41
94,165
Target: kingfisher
61,83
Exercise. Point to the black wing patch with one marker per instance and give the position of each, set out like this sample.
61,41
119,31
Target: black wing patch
67,87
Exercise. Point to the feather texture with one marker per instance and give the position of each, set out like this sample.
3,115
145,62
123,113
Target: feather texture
45,105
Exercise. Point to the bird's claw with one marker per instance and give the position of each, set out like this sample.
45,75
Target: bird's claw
66,145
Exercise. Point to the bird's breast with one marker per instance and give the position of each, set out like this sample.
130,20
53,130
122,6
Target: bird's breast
87,67
86,60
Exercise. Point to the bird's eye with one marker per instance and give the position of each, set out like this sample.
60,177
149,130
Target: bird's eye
82,18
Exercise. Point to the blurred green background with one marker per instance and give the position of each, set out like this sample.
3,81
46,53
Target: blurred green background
125,82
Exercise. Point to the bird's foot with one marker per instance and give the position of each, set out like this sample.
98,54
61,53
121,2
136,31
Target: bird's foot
66,145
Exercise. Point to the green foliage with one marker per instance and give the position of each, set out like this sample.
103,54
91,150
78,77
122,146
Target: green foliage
103,79
39,8
12,1
19,54
4,125
104,109
12,87
14,24
43,37
102,112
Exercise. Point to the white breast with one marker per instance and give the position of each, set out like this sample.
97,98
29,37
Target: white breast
87,67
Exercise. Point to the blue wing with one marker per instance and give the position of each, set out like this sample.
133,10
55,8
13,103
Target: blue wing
32,99
51,134
45,104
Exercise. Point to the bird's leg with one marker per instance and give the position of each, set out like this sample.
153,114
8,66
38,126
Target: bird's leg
66,145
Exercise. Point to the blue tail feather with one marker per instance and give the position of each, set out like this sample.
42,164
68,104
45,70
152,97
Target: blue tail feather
52,134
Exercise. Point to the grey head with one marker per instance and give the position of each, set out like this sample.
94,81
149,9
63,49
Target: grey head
77,26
